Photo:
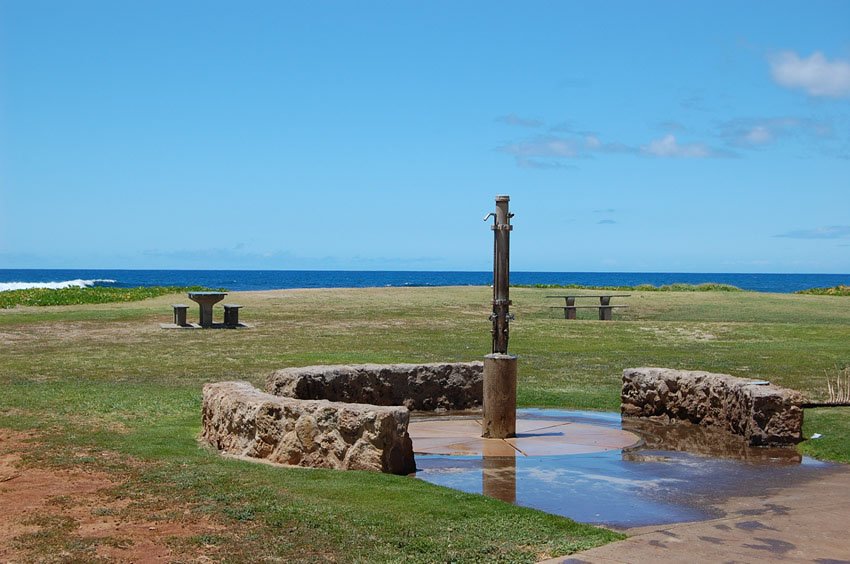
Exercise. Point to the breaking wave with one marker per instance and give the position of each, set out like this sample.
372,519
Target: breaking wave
78,283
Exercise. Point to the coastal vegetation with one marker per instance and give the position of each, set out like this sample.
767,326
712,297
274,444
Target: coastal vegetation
101,389
840,290
88,295
103,294
704,287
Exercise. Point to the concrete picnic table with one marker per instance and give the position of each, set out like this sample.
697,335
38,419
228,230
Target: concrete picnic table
206,301
604,306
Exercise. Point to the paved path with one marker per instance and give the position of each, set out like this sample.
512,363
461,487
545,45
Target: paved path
809,522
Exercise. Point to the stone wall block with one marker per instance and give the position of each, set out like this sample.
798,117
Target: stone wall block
306,431
422,387
762,414
348,424
227,424
288,451
241,420
362,456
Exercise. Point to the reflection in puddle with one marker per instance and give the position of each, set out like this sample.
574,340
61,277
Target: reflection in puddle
498,477
685,437
680,473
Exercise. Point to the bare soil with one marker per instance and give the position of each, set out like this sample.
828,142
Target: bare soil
55,515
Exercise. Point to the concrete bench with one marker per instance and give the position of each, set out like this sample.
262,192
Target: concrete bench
604,306
604,310
231,314
180,311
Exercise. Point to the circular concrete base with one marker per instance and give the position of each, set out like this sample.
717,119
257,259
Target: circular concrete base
535,437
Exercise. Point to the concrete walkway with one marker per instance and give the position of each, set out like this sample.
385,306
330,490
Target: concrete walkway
809,522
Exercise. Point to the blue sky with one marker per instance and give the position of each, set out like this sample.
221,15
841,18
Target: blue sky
631,136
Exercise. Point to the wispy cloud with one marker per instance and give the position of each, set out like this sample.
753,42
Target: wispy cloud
669,147
554,149
673,126
570,127
815,74
606,222
525,162
759,132
543,146
831,232
513,119
695,103
594,144
573,82
238,257
550,151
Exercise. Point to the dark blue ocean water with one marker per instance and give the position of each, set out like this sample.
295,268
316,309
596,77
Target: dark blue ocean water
240,280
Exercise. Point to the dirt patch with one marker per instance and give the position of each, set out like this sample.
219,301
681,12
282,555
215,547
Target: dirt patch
77,331
682,334
10,338
61,515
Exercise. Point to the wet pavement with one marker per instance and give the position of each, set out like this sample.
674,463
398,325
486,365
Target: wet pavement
677,473
794,522
534,437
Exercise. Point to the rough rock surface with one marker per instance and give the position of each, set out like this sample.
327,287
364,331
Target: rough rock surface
241,420
421,387
762,414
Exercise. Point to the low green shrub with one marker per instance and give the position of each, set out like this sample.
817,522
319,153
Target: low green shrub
95,295
840,290
705,287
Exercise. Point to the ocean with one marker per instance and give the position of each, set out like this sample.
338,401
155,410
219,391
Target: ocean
242,280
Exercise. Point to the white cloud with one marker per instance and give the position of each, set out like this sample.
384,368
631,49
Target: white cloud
758,132
830,232
592,142
547,146
513,119
572,128
525,162
758,135
695,102
548,151
815,74
668,146
673,126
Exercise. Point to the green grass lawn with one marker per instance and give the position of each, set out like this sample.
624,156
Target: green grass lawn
104,378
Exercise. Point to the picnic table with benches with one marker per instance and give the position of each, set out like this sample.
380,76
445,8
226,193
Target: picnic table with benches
605,307
205,301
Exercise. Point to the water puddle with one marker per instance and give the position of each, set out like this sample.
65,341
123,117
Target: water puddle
679,473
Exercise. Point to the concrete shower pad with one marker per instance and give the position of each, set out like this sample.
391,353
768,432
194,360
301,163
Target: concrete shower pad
535,437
